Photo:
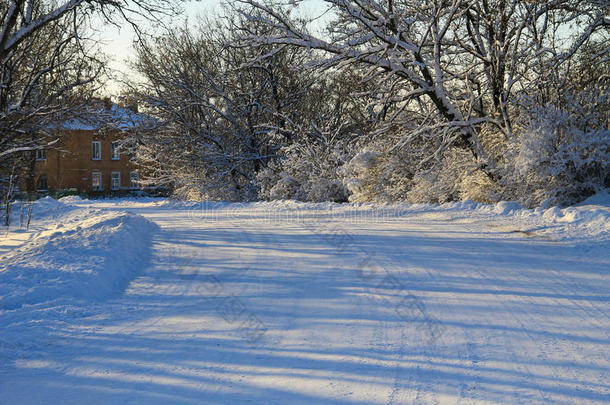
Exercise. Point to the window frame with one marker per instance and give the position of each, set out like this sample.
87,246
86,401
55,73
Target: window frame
134,184
114,149
41,154
97,174
99,149
112,178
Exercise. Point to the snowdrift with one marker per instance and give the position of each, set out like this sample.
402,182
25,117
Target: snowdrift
89,255
587,221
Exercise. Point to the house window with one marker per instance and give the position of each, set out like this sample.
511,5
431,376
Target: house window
116,152
96,150
42,183
134,180
115,181
96,181
41,154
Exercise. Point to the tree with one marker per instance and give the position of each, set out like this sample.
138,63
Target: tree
224,108
334,122
461,63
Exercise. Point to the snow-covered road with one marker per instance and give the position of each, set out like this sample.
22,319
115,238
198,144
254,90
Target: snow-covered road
286,303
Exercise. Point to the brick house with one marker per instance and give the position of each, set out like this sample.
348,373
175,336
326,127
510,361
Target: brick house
88,157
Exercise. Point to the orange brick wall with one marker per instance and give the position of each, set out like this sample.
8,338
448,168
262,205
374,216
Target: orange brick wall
71,166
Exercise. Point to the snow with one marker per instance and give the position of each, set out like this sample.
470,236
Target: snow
45,212
301,303
87,255
73,258
601,199
116,116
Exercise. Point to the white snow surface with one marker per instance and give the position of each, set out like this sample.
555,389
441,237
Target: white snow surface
152,301
98,118
87,255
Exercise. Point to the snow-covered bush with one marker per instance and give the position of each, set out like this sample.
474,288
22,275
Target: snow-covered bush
362,173
310,161
557,158
454,178
305,173
379,176
412,172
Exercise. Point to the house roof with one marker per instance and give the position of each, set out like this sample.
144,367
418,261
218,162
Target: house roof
105,114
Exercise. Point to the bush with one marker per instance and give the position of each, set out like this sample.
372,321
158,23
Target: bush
305,173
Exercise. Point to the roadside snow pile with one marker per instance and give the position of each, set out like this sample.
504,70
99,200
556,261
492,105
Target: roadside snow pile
43,208
71,199
48,204
586,221
89,255
601,199
589,219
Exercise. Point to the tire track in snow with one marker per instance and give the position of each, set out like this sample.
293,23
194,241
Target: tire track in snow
519,316
561,288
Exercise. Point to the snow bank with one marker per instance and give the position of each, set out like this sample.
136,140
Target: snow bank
88,255
590,219
71,199
601,199
42,209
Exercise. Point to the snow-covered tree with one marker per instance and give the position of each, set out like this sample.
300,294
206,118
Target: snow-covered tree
224,108
560,152
450,73
334,121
